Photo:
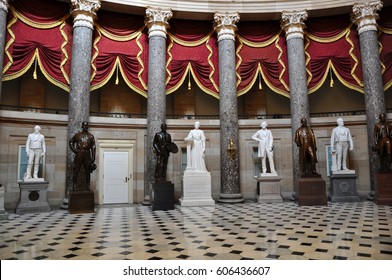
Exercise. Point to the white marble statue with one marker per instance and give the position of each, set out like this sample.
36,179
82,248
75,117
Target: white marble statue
35,149
198,145
266,145
341,142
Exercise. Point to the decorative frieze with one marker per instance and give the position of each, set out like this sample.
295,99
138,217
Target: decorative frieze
365,15
293,24
84,12
157,21
224,25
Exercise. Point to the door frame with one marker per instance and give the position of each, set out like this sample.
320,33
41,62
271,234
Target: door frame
113,146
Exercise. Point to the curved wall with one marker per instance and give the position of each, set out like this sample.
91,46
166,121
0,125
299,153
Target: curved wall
248,9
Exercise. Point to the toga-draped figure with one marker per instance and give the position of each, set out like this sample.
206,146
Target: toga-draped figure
198,139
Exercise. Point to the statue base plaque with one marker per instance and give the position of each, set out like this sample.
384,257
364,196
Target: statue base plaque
343,188
269,188
384,189
196,189
311,191
163,196
33,197
81,202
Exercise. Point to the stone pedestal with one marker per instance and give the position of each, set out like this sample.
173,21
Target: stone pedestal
33,197
383,189
196,189
269,188
3,213
343,187
311,191
81,202
163,196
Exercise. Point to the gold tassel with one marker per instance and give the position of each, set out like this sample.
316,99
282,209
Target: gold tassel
189,81
260,85
35,68
116,82
331,83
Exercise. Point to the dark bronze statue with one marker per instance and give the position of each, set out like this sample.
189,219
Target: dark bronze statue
306,141
383,142
163,146
83,145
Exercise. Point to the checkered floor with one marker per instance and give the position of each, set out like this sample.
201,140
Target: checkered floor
225,231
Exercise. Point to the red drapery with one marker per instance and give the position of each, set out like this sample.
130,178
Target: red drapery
192,46
121,48
385,39
39,32
261,52
332,44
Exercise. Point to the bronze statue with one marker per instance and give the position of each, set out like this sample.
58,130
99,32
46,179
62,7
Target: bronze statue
383,142
83,145
163,146
306,141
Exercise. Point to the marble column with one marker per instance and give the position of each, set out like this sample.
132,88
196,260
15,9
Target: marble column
156,21
84,13
365,16
3,29
293,24
224,25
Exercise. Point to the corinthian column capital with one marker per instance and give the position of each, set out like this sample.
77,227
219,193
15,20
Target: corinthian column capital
293,24
4,5
157,21
364,15
84,12
224,25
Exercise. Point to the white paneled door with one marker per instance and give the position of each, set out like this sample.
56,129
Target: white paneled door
116,177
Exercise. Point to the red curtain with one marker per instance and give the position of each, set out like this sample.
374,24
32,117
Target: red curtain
39,33
192,46
261,53
120,48
332,44
385,39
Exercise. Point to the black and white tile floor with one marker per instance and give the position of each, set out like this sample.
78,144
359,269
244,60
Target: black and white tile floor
225,231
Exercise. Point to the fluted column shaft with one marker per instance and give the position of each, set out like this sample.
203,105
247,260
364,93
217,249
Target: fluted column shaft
84,13
3,26
156,21
225,27
293,24
365,16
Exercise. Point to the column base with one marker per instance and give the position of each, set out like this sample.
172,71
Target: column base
146,201
163,196
311,191
343,188
33,197
81,202
65,203
383,188
230,198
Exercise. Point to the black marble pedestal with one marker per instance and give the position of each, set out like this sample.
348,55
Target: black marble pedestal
163,196
33,197
81,202
343,188
383,189
311,191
